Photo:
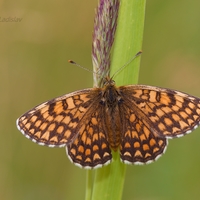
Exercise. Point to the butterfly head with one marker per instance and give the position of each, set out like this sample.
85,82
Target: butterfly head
108,81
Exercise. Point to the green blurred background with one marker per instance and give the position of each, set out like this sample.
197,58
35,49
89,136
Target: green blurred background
34,68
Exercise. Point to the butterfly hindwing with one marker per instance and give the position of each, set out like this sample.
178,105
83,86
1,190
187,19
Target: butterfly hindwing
139,144
91,148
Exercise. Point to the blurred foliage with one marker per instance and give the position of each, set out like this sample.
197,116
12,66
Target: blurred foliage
34,68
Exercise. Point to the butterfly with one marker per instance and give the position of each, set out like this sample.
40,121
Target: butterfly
136,120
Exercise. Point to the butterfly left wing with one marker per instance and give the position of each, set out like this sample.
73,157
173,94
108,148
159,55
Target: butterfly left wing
91,147
57,122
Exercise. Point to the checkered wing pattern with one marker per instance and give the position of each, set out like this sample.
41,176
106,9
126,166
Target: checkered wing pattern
139,142
151,115
73,120
57,122
91,147
136,119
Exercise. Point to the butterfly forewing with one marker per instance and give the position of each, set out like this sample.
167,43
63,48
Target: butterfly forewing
57,122
167,112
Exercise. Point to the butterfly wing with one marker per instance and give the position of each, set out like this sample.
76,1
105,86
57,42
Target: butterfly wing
91,148
57,122
170,113
139,144
152,115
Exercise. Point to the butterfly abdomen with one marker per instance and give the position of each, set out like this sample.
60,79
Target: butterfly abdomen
111,99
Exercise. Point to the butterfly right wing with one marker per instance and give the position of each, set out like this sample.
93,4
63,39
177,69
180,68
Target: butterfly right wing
168,113
151,116
139,145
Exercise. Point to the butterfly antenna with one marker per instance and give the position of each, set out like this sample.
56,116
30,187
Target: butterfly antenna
126,64
74,63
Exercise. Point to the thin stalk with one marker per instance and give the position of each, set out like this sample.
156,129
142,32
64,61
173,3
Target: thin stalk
109,180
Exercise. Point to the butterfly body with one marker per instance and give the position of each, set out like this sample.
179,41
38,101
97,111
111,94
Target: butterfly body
136,120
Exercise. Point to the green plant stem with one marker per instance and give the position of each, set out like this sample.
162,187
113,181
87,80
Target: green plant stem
89,184
128,41
109,180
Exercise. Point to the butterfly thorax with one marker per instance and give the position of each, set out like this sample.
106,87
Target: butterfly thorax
110,100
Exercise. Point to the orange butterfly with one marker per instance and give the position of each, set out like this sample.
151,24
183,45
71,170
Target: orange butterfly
137,120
